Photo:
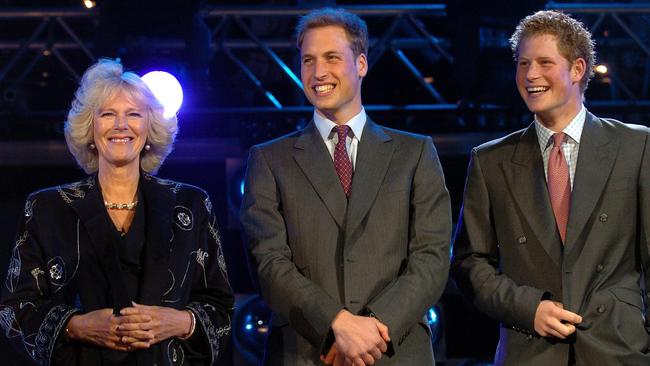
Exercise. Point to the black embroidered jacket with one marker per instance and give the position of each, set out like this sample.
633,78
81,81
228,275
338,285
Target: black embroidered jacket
65,261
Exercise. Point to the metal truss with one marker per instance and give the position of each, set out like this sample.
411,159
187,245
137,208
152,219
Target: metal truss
67,35
403,18
622,35
52,35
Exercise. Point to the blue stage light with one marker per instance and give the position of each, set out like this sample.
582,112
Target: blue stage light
432,317
435,323
250,327
167,89
241,187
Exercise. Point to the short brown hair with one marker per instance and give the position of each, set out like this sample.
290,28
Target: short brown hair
355,28
573,39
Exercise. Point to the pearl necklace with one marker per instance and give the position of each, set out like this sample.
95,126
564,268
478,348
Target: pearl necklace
121,206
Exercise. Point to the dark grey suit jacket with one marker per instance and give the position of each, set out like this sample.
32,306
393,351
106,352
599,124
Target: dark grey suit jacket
508,254
386,250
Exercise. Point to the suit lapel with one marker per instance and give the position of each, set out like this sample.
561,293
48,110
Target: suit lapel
525,177
159,200
595,161
373,158
314,160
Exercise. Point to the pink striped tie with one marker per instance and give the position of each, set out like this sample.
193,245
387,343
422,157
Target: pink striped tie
342,161
559,186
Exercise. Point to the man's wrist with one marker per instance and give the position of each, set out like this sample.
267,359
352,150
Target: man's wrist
338,318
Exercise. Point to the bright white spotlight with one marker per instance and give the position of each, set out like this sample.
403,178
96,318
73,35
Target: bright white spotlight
89,4
167,89
601,69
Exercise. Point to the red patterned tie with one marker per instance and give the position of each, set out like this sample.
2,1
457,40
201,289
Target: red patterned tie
559,186
342,161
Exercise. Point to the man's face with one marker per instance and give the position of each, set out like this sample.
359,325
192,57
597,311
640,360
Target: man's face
548,83
331,75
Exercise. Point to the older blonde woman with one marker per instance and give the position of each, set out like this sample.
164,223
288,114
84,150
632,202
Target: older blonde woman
123,267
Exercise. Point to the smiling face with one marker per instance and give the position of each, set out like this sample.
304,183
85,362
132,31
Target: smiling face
548,83
331,75
120,131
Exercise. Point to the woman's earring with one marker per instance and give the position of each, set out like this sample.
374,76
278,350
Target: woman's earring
147,147
91,146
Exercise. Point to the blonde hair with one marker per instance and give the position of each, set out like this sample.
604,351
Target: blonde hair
573,39
101,82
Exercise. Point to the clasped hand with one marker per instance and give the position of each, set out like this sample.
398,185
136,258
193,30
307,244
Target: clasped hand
552,320
137,327
359,340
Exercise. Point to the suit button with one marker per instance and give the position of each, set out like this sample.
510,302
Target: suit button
522,240
603,217
601,309
599,268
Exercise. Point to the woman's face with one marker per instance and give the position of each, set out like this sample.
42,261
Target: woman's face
120,131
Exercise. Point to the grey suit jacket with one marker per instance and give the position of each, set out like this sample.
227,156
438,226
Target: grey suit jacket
508,254
386,250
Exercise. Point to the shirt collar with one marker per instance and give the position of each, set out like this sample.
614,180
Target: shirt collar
572,130
325,126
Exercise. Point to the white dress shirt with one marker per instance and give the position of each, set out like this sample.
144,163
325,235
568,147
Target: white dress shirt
570,145
330,138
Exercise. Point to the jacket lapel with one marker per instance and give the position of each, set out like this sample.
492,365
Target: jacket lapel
159,200
596,158
525,177
373,158
91,212
315,162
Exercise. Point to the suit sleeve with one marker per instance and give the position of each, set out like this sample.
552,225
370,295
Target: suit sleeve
475,264
33,313
419,285
211,299
308,308
644,225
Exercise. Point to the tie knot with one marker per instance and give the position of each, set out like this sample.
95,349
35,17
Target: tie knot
557,139
342,131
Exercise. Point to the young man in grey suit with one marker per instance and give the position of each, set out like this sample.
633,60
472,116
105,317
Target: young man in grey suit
553,237
348,222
